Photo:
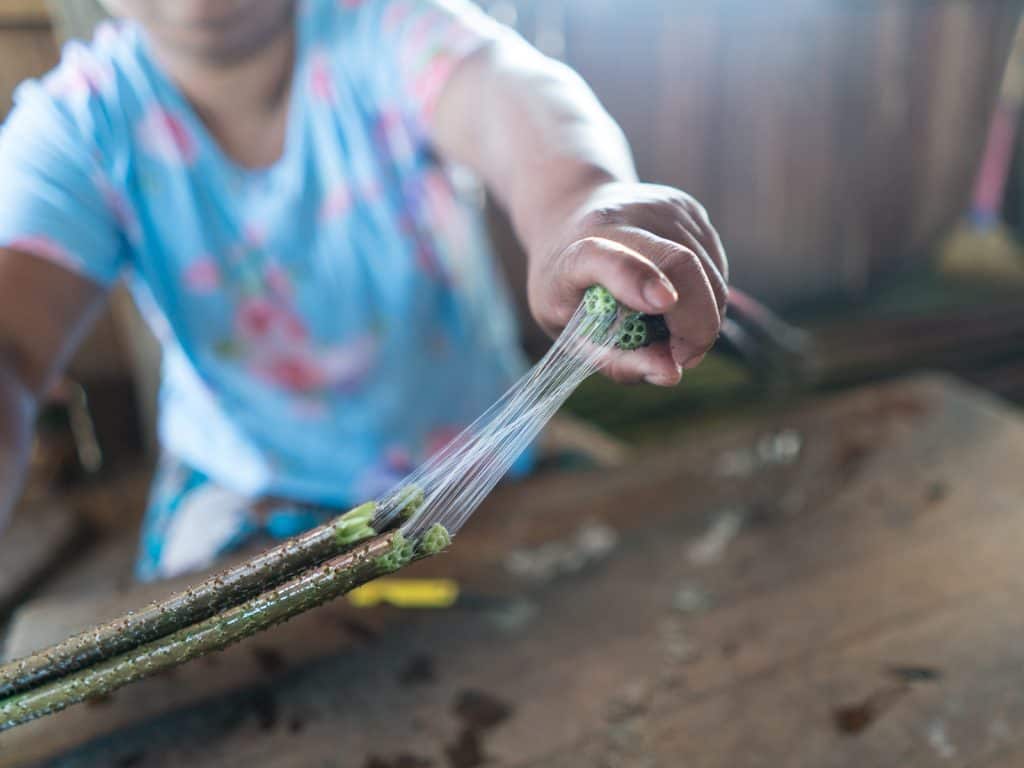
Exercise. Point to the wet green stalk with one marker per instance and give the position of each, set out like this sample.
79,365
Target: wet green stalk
185,608
435,540
636,330
308,590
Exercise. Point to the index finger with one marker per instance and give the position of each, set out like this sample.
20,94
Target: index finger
694,321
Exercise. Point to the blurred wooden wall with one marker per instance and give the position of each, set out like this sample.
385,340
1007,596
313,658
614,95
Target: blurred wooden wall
829,139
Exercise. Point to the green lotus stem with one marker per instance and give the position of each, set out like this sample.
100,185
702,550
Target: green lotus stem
220,591
400,554
599,302
410,500
311,588
636,331
435,540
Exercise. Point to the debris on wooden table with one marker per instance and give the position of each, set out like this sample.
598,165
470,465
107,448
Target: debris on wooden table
591,543
709,547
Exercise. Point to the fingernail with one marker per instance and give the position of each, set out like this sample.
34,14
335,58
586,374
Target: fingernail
660,294
661,381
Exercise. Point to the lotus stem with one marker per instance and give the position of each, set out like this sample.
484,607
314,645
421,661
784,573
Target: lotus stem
313,587
636,330
194,604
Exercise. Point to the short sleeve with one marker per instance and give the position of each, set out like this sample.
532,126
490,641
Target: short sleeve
416,45
53,203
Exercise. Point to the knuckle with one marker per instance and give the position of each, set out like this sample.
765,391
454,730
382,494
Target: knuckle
695,208
667,208
603,217
682,257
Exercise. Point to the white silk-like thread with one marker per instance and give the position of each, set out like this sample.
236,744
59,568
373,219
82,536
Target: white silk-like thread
457,479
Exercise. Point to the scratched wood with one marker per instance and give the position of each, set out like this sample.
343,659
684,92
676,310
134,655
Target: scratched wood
892,543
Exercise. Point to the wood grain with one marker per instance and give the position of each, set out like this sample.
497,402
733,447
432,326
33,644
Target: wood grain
893,541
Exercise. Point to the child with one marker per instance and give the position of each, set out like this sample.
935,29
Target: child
272,177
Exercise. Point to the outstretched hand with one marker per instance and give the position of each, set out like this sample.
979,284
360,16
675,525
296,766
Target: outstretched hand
655,249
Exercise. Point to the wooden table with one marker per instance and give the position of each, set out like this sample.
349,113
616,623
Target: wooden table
858,603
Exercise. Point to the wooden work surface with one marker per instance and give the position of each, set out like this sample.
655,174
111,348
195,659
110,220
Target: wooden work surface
857,605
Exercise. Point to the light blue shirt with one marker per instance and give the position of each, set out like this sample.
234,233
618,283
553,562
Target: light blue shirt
326,322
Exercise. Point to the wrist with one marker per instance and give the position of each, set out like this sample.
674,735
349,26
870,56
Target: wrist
559,211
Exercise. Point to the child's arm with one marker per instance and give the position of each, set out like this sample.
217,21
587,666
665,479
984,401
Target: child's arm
540,140
44,310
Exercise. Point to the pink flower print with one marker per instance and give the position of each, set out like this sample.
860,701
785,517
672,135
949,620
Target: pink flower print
321,79
278,280
350,4
165,136
290,328
202,276
337,202
300,368
296,372
263,322
255,318
46,248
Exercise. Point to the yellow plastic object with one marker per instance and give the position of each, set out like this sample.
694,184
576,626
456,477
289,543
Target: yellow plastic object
406,593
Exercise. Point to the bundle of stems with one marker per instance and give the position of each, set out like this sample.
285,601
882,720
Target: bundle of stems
174,623
196,603
310,588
